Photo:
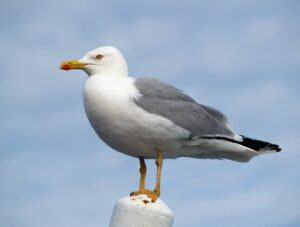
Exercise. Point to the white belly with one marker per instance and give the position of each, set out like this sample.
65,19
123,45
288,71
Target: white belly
121,124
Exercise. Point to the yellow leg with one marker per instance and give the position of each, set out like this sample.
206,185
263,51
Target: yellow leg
143,171
153,195
159,163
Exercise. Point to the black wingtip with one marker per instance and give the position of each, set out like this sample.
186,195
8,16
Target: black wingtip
274,147
278,149
259,145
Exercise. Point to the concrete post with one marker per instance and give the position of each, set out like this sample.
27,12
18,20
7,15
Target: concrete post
138,211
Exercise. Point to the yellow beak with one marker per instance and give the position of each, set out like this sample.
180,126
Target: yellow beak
72,64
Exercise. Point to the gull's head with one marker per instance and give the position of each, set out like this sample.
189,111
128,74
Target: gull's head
103,60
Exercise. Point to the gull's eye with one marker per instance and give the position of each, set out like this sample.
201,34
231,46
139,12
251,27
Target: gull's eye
99,57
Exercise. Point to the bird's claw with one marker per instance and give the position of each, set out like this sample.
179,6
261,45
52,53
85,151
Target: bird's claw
152,194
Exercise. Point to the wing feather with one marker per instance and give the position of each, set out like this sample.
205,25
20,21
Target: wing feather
167,101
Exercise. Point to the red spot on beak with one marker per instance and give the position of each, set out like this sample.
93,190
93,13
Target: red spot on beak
65,67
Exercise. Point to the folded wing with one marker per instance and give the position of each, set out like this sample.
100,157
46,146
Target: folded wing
167,101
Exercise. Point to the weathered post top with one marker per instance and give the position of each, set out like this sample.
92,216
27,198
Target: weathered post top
138,211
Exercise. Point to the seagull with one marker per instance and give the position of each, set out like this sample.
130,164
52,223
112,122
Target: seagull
149,119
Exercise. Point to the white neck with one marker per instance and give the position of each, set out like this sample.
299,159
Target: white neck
118,72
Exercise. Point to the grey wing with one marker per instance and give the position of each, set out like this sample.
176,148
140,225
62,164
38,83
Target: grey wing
154,88
216,114
164,100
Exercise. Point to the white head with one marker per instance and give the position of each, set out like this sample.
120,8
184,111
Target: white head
103,60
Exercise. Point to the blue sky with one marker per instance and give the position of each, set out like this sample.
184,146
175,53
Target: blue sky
242,57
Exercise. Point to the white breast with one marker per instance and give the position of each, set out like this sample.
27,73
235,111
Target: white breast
111,110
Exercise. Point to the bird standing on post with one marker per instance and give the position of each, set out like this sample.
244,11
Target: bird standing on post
148,119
